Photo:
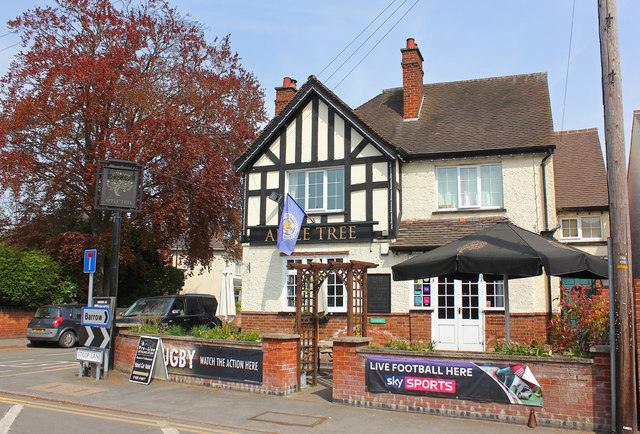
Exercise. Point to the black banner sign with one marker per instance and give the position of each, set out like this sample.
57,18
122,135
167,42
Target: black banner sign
454,379
144,360
322,233
211,361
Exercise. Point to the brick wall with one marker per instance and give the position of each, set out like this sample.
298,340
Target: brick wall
523,326
13,324
279,361
414,326
576,391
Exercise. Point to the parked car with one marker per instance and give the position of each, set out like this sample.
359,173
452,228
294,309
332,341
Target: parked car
59,323
186,311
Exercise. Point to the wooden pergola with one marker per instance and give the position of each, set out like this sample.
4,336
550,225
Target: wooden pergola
310,278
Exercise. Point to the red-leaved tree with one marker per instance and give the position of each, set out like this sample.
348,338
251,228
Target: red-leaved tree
136,81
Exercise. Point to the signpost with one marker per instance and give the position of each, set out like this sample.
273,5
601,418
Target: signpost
90,257
96,316
96,335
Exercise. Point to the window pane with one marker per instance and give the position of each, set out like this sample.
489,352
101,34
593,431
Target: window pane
335,189
491,181
447,187
591,227
316,190
296,187
468,186
569,228
495,294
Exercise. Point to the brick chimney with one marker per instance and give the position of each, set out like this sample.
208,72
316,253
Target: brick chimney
285,93
412,79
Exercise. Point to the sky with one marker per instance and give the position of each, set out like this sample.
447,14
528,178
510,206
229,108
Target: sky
459,40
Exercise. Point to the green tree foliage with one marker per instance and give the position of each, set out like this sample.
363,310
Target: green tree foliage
143,271
30,278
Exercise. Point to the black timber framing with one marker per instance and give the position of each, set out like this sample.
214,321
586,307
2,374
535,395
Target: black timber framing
351,157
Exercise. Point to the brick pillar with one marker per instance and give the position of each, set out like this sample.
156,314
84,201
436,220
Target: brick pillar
280,363
348,368
602,384
285,93
412,75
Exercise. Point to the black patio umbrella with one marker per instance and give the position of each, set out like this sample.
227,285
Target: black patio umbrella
504,251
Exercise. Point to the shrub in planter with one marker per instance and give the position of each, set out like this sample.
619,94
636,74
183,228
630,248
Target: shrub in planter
582,323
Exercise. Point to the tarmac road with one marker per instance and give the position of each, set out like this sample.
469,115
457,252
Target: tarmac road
40,391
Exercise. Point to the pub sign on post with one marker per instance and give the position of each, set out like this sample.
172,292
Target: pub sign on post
119,186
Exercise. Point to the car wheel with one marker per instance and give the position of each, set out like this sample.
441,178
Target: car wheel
67,340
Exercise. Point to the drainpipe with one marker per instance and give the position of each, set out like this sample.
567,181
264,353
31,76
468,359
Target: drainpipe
546,221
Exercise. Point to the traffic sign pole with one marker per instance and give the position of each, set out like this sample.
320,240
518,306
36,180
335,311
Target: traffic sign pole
90,294
90,257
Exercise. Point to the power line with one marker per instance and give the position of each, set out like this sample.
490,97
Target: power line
377,43
365,41
354,39
8,33
566,81
10,46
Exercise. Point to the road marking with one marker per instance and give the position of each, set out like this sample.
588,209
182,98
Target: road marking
118,417
7,420
37,372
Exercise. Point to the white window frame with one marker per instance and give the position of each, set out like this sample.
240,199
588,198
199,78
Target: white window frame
478,188
305,260
325,187
482,287
579,218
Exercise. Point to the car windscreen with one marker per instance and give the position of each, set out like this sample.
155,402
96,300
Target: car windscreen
149,307
49,312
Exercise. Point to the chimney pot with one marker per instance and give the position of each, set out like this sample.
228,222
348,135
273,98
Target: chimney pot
285,93
411,43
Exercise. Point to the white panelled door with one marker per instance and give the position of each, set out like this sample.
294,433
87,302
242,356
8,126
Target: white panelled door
457,323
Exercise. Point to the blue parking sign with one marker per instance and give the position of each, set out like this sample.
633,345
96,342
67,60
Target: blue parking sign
90,260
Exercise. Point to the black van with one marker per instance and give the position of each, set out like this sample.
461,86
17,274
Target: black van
186,311
59,323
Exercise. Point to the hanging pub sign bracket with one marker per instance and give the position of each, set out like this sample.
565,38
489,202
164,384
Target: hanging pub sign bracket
119,186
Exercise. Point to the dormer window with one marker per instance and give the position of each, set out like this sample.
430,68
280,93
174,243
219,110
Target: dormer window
318,190
469,187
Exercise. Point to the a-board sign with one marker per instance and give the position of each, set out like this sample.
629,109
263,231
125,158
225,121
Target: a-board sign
145,359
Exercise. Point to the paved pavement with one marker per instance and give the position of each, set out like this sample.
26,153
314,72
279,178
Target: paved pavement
190,408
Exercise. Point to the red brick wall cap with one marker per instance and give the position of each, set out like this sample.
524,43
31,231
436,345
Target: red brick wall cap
280,336
353,340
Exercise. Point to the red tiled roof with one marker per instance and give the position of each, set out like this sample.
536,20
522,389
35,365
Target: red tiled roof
427,234
579,173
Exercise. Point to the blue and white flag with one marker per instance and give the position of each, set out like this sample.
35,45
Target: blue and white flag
290,223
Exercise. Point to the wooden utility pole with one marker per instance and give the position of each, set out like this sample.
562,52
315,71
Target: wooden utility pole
620,286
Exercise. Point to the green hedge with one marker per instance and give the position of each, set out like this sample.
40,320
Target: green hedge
31,278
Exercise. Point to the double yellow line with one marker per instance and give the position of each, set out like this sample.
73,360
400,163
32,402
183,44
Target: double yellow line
109,415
